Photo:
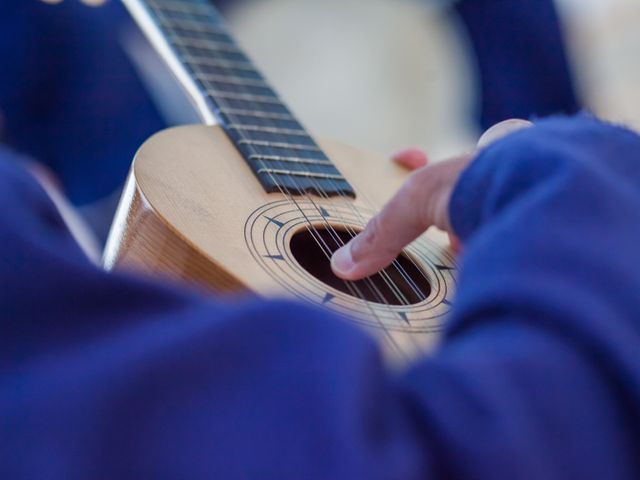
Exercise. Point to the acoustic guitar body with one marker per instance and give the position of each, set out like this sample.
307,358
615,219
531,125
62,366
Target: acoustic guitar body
193,210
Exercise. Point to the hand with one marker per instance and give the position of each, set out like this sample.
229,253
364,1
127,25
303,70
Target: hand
422,202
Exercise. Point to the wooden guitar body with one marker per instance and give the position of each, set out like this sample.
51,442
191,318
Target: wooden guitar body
193,210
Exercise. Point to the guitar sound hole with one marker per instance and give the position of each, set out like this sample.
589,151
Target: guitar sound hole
399,284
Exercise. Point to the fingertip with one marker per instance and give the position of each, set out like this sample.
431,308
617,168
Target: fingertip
455,243
501,130
411,158
342,262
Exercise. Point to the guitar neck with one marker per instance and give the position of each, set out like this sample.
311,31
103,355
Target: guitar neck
228,90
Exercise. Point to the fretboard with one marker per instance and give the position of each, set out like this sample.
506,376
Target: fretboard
227,89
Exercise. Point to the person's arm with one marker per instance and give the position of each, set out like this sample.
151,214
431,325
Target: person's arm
539,375
109,376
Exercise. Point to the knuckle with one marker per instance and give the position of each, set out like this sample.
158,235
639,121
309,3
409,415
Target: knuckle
371,233
414,187
417,191
371,242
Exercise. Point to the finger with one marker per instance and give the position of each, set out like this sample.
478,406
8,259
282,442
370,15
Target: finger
455,243
411,158
501,130
382,239
422,202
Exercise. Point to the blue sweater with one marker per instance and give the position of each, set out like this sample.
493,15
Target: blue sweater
108,376
69,96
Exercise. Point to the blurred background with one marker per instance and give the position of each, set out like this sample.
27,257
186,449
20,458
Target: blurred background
385,74
80,89
390,73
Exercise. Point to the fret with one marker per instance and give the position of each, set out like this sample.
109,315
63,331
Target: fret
253,117
236,81
194,26
218,54
178,10
239,120
263,95
175,15
298,160
273,130
220,63
245,97
245,105
257,114
191,8
280,145
304,174
178,32
303,156
206,45
226,72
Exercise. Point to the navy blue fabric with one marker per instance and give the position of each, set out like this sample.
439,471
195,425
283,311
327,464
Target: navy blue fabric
68,94
521,57
110,376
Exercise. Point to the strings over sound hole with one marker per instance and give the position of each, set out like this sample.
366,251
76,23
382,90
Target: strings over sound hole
402,283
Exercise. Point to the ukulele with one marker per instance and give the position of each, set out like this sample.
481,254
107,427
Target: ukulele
250,202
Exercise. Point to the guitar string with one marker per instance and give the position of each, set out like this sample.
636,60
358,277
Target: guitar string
416,289
419,293
324,248
392,287
427,278
369,202
352,287
187,8
389,283
383,302
398,294
190,10
386,278
348,204
339,242
407,278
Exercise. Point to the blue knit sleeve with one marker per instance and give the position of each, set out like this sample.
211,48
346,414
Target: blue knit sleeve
539,376
108,376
